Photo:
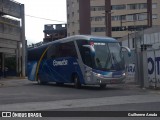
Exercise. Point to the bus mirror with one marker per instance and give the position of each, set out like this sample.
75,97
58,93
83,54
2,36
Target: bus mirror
91,49
128,50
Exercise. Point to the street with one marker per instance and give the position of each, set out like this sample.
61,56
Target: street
23,95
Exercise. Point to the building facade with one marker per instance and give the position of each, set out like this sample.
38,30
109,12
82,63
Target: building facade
12,35
54,32
145,39
115,18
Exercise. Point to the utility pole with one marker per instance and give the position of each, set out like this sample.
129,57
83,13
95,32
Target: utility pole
23,41
84,17
108,18
149,12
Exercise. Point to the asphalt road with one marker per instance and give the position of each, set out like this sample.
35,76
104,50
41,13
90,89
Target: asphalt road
23,95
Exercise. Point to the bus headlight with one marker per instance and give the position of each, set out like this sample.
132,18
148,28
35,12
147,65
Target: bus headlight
97,74
124,74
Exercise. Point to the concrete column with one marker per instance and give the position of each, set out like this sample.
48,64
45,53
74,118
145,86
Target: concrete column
23,41
84,17
149,12
108,18
145,69
19,59
17,62
3,63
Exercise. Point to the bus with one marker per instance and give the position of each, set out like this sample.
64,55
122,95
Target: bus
80,60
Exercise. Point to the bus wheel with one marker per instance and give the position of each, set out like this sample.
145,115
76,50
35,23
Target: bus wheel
59,83
102,86
40,82
77,83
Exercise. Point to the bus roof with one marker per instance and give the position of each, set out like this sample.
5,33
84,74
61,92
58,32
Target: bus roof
77,37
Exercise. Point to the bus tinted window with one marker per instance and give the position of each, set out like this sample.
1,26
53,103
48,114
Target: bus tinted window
53,51
35,54
67,50
85,52
62,50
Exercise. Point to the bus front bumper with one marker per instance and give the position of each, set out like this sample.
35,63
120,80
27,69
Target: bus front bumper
109,80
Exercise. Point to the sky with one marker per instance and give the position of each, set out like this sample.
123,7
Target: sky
54,10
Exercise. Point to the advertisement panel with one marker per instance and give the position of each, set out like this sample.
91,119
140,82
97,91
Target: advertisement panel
157,67
151,68
130,70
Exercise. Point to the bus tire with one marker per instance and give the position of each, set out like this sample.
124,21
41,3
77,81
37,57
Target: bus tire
77,83
59,83
40,82
102,86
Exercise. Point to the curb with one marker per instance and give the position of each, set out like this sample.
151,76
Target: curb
13,78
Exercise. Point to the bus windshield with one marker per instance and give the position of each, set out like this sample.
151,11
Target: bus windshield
108,56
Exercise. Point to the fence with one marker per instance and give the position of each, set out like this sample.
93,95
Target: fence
130,66
153,60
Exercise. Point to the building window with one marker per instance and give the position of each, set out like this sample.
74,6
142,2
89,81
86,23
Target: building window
72,23
130,17
154,16
98,29
118,17
118,7
137,27
154,5
68,16
141,17
72,4
98,18
133,42
97,8
137,6
72,14
132,6
142,6
123,28
67,6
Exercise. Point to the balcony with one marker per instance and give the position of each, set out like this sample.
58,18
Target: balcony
9,29
11,8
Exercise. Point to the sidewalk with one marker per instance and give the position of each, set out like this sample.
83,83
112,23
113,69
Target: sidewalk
13,81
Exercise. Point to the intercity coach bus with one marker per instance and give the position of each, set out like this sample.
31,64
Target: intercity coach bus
79,59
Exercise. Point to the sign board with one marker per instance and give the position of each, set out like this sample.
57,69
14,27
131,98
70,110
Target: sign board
130,71
157,60
153,58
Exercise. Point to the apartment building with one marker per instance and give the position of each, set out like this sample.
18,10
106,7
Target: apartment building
114,18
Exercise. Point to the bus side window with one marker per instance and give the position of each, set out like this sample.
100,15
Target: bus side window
53,52
67,50
85,52
87,57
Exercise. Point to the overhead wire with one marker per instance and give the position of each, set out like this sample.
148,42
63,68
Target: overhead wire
45,18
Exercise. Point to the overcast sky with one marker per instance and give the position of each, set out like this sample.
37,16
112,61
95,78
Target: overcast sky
49,9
